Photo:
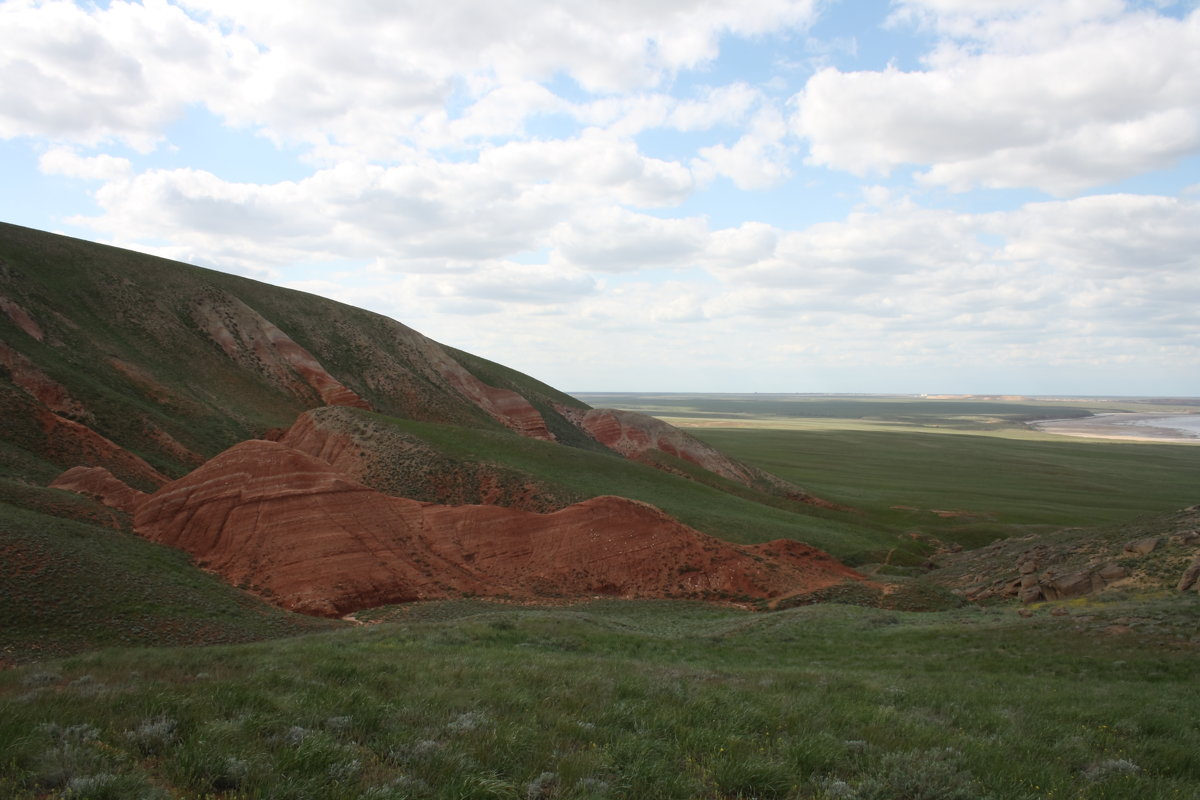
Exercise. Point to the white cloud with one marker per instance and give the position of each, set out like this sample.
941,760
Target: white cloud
616,240
1108,236
502,282
65,161
351,79
446,145
1093,101
117,73
423,216
758,160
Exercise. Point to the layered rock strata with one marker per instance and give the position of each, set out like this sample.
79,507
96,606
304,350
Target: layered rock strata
636,436
293,529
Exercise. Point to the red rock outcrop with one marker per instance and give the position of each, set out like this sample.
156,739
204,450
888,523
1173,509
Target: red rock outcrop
503,405
252,340
632,434
38,385
70,441
306,537
335,447
369,450
101,484
635,435
21,318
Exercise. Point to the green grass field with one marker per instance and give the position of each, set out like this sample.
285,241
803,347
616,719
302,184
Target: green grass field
898,460
1082,699
630,700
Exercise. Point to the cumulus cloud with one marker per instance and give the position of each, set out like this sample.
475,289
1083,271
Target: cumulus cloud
352,79
118,73
759,159
65,161
616,240
1097,98
447,146
428,215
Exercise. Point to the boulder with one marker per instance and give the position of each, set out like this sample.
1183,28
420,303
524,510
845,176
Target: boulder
1112,572
1142,547
1190,577
1030,595
1075,584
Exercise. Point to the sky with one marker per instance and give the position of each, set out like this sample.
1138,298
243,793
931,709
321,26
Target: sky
915,196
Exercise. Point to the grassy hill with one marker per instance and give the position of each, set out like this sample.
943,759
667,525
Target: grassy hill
149,367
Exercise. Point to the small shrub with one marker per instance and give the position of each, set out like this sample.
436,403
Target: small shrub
339,724
104,786
466,722
543,786
40,678
153,736
920,775
1108,768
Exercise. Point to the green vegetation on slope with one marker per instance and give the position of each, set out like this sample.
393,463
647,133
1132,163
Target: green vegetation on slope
630,700
69,585
749,518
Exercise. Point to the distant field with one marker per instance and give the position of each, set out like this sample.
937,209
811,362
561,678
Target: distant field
972,457
957,413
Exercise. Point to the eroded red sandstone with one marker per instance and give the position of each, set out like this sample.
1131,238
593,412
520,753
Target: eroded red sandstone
635,436
504,405
99,483
254,341
21,318
308,538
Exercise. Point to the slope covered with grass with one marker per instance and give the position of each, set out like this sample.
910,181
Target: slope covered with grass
69,585
625,700
731,512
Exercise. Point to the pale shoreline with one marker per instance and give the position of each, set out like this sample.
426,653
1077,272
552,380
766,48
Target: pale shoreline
1123,426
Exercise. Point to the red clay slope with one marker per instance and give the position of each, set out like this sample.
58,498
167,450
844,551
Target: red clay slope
637,436
254,341
291,528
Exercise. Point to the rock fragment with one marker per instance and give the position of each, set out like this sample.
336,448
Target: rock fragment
1191,577
1142,547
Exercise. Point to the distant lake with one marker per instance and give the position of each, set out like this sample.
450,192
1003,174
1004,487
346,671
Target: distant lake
1188,424
1125,425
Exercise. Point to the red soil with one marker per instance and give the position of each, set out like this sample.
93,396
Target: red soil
637,436
632,434
101,484
69,441
252,340
503,405
21,318
335,448
38,385
295,530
